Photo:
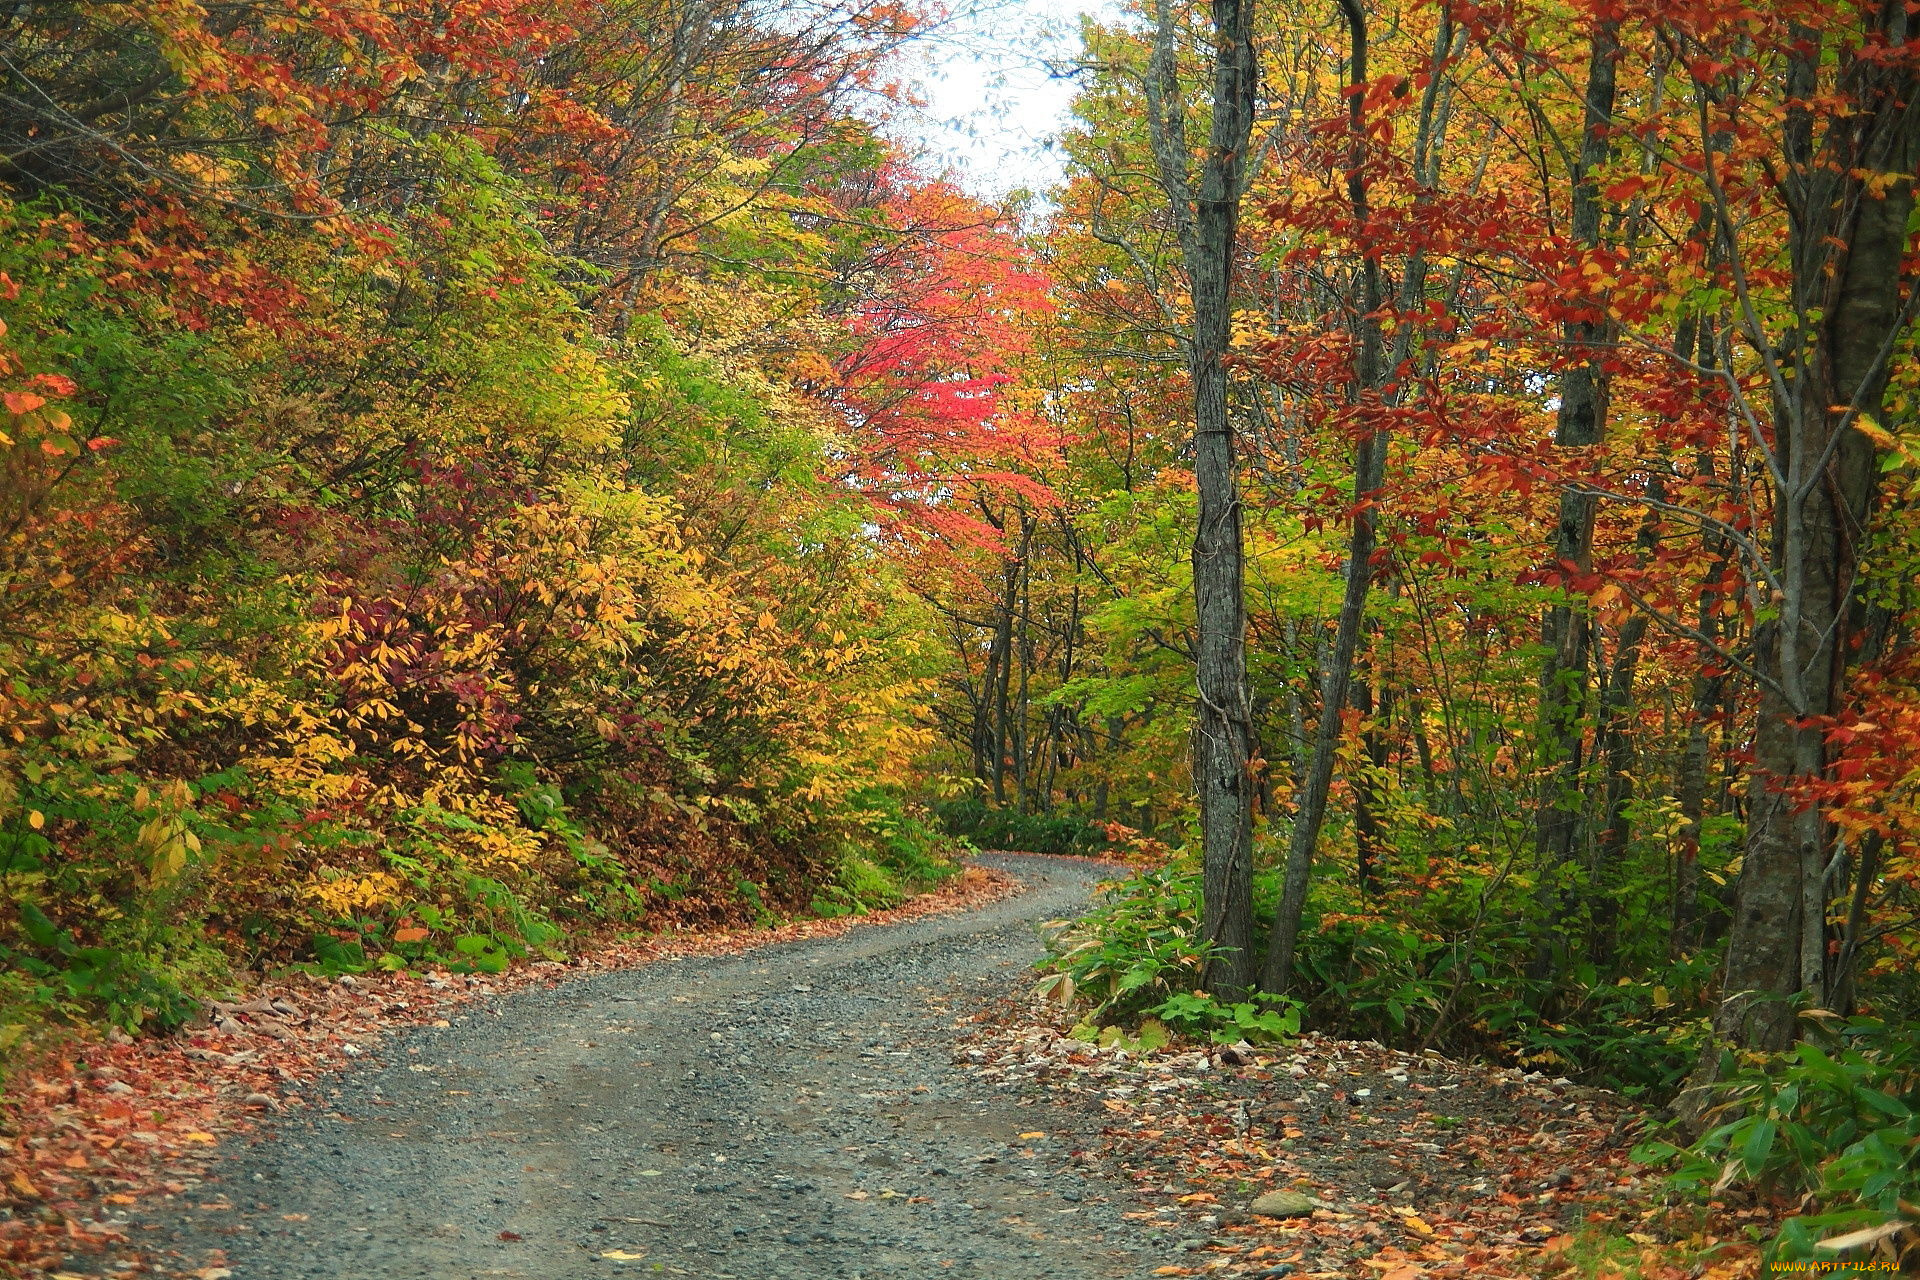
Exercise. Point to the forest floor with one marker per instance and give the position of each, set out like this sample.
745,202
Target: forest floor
819,1101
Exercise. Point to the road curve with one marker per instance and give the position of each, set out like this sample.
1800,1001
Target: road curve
787,1112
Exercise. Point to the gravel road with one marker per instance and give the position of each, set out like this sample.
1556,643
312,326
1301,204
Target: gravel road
788,1112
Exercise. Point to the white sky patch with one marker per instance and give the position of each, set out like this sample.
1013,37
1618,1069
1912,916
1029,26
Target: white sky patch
996,93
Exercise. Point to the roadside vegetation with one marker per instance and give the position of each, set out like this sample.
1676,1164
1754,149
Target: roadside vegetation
1432,489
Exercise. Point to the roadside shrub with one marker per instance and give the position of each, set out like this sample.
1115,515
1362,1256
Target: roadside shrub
1837,1126
891,850
1428,979
1264,1019
1136,961
1137,948
902,836
989,828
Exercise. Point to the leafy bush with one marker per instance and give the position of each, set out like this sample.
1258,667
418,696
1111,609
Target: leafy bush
1137,948
989,828
1427,984
1418,983
1263,1020
1839,1124
892,851
65,978
902,837
1137,961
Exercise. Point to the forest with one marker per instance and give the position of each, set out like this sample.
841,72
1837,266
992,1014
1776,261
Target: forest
1434,490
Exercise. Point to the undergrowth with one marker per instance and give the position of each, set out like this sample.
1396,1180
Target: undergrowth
1431,983
424,893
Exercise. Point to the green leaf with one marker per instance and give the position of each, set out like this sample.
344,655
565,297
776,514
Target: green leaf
41,931
1758,1146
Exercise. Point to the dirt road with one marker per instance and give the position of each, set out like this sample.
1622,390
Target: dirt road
789,1112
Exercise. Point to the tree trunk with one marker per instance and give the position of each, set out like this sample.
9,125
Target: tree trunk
1566,630
1848,247
1208,220
1003,676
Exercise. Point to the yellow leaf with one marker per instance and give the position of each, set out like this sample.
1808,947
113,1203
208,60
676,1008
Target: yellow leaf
36,819
1416,1224
621,1255
1028,1137
206,1138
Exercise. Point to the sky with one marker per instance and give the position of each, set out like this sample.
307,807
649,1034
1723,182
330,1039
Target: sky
995,94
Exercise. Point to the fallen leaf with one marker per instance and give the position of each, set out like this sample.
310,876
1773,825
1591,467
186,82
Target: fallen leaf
508,1236
621,1255
1866,1236
206,1138
1028,1137
1416,1224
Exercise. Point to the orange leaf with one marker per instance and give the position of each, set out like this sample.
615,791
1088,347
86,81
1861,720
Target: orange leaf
412,933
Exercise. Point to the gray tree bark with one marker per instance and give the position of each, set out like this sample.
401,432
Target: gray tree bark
1847,247
1208,220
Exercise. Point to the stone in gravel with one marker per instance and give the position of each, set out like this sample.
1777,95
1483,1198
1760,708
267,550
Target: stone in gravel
1283,1204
